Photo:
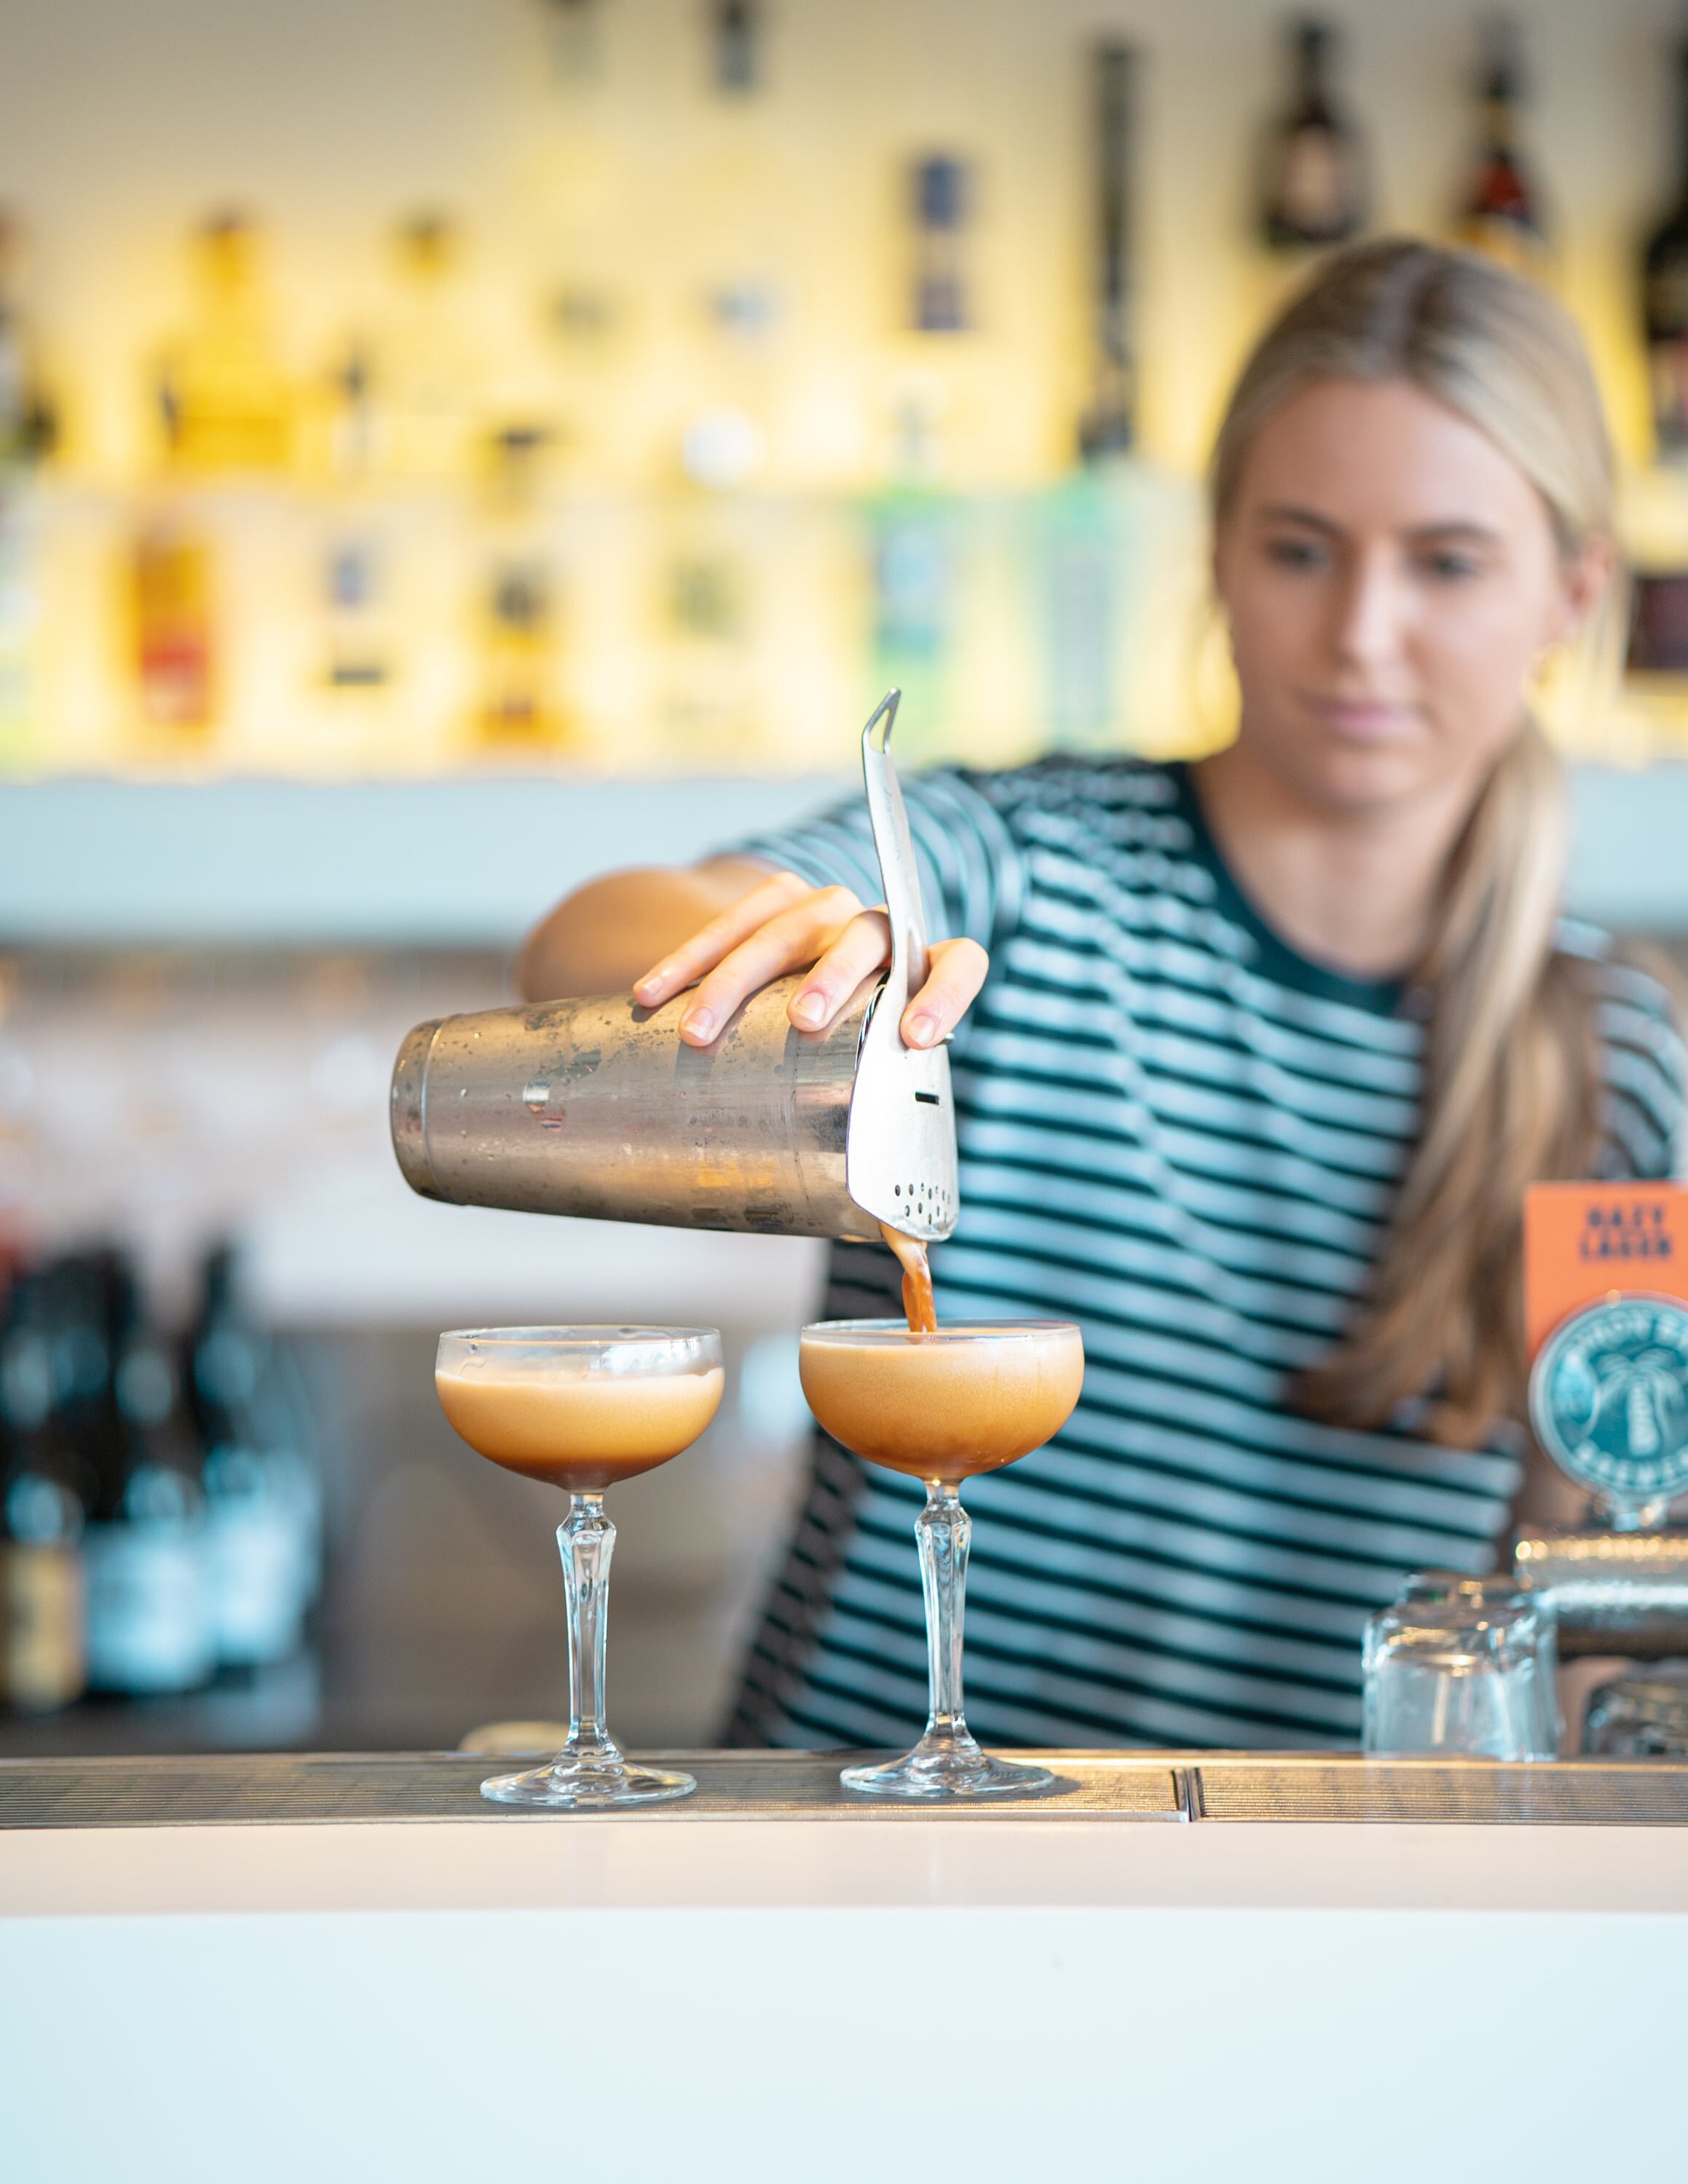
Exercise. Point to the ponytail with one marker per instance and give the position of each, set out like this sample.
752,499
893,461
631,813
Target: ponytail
1509,1100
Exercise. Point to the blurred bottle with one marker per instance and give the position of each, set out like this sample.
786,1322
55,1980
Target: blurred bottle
1502,213
356,655
42,1505
1082,559
915,553
427,368
708,712
28,434
1664,297
224,400
1314,191
264,1527
1108,423
149,1623
172,585
29,420
520,703
736,30
576,37
939,204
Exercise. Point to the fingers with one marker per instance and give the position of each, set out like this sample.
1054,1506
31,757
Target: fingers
955,971
705,948
863,946
789,941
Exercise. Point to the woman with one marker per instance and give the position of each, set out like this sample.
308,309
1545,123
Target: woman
1261,1055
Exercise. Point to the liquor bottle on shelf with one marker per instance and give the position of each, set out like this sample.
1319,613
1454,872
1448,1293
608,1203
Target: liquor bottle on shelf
264,1529
1315,189
1108,423
520,703
356,662
427,371
1502,213
149,1625
737,32
224,399
172,576
29,420
1664,298
707,709
43,1659
939,202
915,551
28,434
575,32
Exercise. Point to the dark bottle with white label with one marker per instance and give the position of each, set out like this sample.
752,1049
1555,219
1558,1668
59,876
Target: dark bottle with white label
1664,298
43,1659
262,1505
149,1625
1314,194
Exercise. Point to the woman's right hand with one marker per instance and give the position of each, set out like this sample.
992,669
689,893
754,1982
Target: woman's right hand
784,925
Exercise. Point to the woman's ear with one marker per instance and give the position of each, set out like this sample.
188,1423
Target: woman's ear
1585,576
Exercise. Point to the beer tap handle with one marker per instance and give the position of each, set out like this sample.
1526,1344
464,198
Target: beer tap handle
899,874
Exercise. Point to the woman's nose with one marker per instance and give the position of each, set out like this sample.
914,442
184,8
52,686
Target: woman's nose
1372,607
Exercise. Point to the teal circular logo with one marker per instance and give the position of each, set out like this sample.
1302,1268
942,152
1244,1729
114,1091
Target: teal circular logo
1608,1397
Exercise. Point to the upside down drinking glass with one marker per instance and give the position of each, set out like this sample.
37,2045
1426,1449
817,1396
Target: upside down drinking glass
943,1407
582,1408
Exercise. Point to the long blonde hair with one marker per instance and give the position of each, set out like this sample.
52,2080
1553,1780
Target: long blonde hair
1511,1093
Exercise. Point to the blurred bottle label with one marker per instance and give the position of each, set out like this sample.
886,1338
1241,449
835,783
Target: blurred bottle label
260,1550
149,1624
41,1662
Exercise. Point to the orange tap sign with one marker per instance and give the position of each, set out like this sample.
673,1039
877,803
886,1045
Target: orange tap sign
1586,1240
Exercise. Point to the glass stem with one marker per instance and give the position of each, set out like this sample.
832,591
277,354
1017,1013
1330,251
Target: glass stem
587,1539
944,1531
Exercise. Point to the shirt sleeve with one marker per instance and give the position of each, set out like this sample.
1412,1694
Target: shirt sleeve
973,872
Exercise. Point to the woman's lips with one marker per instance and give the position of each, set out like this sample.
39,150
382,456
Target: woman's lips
1366,720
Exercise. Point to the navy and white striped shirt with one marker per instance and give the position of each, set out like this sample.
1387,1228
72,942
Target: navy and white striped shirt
1179,1132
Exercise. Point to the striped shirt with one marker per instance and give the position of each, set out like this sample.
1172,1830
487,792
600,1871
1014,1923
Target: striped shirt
1185,1136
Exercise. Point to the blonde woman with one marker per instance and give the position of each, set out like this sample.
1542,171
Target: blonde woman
1253,1059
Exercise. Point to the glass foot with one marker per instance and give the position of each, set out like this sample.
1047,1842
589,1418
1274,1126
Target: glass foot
935,1771
575,1785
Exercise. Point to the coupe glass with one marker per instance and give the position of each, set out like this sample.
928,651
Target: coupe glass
582,1408
1462,1665
943,1407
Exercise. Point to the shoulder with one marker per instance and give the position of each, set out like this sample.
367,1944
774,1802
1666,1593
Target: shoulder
1643,1063
1108,811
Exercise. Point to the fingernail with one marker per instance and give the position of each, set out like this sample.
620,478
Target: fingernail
650,984
809,1008
922,1029
700,1024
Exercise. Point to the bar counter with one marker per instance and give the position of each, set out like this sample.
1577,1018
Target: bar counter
1183,1964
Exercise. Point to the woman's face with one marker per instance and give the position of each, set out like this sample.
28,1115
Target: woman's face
1392,582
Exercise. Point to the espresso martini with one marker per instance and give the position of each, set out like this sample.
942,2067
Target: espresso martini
582,1408
943,1404
579,1430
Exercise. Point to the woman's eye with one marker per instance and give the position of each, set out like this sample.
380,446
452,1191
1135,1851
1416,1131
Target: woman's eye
1448,568
1296,554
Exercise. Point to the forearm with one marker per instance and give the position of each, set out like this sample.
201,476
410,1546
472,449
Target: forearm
601,938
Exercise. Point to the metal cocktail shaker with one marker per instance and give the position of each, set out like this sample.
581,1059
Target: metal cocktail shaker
596,1107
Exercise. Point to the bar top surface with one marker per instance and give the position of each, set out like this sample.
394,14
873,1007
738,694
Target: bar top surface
392,1831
